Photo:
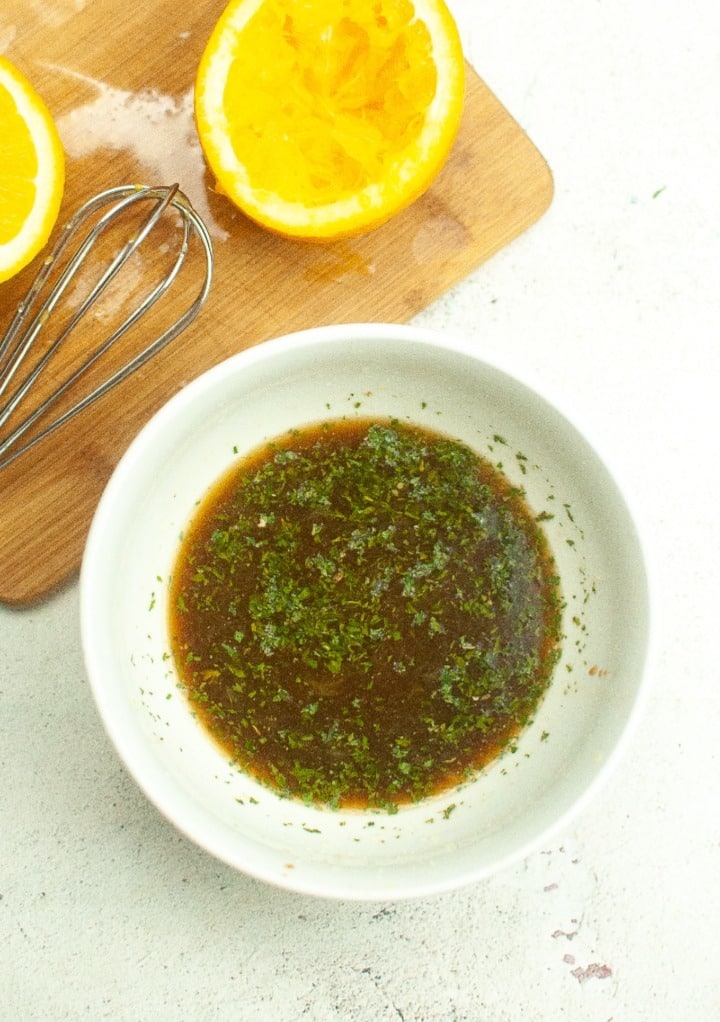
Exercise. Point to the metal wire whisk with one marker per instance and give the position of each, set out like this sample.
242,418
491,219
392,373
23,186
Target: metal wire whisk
35,311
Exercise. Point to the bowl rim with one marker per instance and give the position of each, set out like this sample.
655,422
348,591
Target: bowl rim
319,336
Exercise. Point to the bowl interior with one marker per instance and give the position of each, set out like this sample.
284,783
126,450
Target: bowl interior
364,371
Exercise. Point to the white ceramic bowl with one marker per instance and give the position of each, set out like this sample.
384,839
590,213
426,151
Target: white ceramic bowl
447,840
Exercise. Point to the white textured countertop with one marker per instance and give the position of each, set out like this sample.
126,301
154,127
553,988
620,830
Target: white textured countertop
612,301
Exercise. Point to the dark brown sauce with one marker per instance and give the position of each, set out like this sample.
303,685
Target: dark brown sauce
364,613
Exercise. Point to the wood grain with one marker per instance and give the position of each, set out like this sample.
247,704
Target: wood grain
96,64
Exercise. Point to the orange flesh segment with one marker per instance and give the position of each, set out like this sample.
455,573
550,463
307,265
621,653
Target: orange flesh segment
17,180
323,115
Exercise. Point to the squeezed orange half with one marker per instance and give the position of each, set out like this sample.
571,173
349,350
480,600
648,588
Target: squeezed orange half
32,171
323,120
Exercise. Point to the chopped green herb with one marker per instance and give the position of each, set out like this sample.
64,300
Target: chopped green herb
364,613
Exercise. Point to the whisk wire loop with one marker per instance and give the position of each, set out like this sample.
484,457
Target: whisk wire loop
35,311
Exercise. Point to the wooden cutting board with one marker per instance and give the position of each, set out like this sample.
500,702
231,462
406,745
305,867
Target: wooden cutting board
118,77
